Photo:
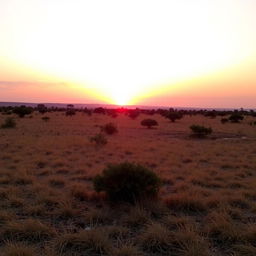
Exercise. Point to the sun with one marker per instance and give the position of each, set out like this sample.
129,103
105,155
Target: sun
121,101
120,98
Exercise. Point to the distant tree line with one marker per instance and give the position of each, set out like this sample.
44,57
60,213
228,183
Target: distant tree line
171,114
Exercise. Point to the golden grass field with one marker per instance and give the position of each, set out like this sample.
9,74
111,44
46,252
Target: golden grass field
206,205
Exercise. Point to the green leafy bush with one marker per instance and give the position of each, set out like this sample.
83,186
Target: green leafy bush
109,128
99,139
149,123
9,123
200,131
127,182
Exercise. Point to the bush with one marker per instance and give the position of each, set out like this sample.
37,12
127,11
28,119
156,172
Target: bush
149,123
133,114
127,182
109,128
99,139
9,123
46,118
21,111
224,120
200,131
41,108
236,118
70,112
174,115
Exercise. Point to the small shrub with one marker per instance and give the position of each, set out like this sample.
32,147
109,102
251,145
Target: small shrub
99,139
149,123
133,114
174,115
109,128
127,182
200,131
224,120
236,118
46,118
70,112
9,123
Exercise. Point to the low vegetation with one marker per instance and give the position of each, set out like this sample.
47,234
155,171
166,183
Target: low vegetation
9,123
127,182
99,139
236,118
193,197
22,111
109,128
149,123
200,131
46,118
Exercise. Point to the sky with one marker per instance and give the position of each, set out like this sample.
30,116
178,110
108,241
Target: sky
186,53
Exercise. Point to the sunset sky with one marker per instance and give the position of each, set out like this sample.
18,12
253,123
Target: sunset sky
186,53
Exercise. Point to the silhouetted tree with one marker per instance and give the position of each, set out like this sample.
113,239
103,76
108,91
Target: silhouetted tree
149,123
174,115
22,110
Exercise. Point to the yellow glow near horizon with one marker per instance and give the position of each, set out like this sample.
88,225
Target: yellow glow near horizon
125,49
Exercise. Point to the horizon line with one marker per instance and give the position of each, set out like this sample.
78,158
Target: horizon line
119,106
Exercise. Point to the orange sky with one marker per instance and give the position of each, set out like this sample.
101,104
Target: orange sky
193,53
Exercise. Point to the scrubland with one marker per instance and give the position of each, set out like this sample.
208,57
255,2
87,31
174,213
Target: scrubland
206,204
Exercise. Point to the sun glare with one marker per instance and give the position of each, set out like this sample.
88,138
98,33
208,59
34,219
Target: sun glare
123,52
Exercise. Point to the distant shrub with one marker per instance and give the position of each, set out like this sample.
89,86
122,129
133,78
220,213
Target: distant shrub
174,115
70,112
9,123
149,123
41,108
87,111
200,131
109,128
99,110
133,114
224,120
236,118
99,139
7,112
212,114
127,182
46,118
21,111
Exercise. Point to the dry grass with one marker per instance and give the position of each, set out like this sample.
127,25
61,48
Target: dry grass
91,242
29,230
18,249
206,206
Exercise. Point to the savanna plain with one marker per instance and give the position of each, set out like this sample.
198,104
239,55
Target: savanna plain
206,205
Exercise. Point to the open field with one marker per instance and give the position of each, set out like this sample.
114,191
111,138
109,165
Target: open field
206,205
